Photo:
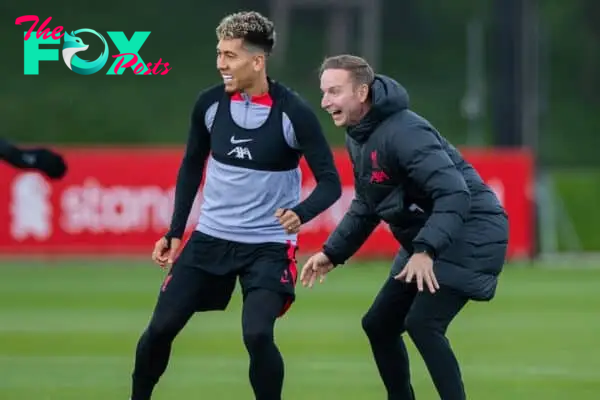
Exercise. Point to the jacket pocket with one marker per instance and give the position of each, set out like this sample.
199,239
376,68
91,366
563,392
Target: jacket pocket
388,202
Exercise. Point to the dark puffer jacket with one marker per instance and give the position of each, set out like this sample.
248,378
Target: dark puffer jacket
408,176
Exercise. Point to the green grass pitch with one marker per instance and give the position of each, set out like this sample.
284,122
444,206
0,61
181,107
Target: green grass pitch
68,331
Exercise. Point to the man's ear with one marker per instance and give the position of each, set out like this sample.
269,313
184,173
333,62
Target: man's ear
363,92
259,62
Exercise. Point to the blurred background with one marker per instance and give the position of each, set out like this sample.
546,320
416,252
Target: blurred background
514,83
486,73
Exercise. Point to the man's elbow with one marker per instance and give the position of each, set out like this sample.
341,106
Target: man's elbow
462,201
458,193
336,189
456,200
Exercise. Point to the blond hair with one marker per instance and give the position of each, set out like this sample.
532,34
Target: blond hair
252,27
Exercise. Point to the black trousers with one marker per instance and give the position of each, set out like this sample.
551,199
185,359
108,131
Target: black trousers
399,308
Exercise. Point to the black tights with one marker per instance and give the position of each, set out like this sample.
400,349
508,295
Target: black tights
260,310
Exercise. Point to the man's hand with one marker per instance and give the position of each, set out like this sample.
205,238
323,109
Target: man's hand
163,254
289,220
49,162
420,267
316,267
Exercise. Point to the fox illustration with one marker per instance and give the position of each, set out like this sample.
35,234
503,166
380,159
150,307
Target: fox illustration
73,45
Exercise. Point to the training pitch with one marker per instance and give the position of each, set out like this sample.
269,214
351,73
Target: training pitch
68,331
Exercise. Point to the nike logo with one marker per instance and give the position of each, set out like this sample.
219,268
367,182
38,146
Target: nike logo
238,141
413,207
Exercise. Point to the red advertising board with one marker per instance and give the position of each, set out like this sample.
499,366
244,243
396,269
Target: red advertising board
119,201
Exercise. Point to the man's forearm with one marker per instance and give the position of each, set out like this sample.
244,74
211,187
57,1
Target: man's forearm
186,189
325,194
351,233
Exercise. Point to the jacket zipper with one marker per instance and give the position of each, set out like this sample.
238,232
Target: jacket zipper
247,107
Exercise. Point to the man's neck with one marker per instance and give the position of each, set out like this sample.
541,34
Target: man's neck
364,110
258,88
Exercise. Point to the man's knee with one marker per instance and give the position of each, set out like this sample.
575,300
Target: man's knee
374,326
165,326
261,308
257,339
433,314
415,324
419,325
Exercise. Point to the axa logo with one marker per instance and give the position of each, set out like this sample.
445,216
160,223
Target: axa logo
241,153
73,44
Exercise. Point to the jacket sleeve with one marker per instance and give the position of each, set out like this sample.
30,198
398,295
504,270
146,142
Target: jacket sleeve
13,155
318,155
42,159
191,169
351,233
418,151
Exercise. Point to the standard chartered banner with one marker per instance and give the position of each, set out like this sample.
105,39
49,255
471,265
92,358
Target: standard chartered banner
119,201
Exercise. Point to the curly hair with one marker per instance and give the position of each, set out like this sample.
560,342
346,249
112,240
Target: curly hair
252,27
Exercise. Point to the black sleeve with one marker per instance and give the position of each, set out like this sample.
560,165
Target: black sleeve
13,155
351,233
419,152
319,158
42,159
191,168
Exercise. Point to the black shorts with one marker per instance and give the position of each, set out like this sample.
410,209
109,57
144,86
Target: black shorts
213,265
